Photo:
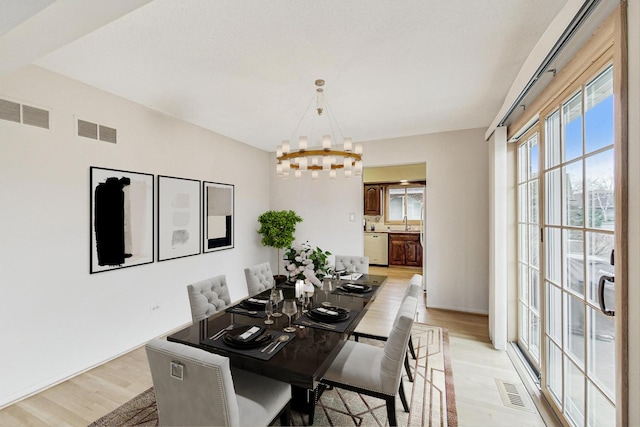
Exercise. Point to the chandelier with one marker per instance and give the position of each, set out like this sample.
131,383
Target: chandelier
327,158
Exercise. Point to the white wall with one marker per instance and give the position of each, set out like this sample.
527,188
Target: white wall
56,318
325,206
457,212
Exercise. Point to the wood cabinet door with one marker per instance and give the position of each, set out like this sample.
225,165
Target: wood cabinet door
396,252
413,253
372,200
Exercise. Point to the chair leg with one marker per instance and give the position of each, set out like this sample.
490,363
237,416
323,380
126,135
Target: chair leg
403,398
411,349
407,367
285,416
391,411
355,337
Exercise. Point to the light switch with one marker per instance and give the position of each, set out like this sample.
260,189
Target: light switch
352,217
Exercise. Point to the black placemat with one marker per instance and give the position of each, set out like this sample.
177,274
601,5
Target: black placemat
240,309
254,303
253,352
305,320
340,291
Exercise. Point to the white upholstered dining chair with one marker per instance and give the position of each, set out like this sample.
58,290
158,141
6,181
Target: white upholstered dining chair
381,331
208,296
343,262
376,371
196,388
259,278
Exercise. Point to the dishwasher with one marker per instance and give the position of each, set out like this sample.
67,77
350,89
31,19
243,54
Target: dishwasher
376,247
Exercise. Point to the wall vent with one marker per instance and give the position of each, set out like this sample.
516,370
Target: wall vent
26,114
9,111
98,132
514,396
35,117
87,129
107,134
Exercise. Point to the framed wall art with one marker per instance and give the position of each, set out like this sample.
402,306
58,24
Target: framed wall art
217,216
178,217
121,219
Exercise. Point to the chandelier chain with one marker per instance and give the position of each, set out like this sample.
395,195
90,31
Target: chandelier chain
302,118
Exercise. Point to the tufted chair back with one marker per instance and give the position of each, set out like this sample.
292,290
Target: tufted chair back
208,297
259,278
343,262
203,396
196,388
396,345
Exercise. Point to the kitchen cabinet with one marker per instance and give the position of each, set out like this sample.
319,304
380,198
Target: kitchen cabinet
376,247
372,200
405,249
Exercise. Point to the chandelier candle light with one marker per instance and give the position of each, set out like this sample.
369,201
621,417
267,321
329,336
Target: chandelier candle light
325,159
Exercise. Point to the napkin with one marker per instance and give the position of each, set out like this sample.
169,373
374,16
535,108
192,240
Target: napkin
354,276
249,333
325,311
353,286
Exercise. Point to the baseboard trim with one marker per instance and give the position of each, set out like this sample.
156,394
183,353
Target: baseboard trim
457,310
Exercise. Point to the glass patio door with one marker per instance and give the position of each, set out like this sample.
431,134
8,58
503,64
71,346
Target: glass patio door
578,369
529,325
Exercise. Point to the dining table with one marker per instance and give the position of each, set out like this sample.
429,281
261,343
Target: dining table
300,359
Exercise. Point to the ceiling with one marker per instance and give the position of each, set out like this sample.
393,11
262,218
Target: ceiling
246,68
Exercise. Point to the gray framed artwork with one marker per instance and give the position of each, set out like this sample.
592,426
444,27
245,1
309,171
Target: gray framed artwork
178,217
121,219
217,216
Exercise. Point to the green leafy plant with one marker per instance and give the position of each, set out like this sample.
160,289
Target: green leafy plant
306,263
277,228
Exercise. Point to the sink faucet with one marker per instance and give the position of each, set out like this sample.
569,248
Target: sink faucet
406,223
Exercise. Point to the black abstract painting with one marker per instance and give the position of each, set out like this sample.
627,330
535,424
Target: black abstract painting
121,219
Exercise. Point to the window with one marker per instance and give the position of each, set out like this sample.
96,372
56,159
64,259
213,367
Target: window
529,250
404,200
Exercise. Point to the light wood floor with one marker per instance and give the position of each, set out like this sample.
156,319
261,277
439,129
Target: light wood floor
476,366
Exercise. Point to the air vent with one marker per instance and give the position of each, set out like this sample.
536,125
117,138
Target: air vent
15,112
35,117
87,129
9,111
107,134
514,396
95,131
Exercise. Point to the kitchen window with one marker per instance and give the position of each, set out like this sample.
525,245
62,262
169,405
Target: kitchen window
404,200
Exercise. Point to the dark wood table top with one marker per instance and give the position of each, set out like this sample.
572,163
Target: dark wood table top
304,360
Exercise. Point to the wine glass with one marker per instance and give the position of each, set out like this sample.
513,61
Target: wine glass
327,286
302,299
289,308
276,297
268,310
352,270
310,294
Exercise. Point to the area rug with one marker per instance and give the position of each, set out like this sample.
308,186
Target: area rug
431,395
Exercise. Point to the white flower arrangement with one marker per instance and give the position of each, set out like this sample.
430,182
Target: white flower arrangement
303,262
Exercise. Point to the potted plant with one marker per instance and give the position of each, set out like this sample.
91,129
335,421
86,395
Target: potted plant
276,229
